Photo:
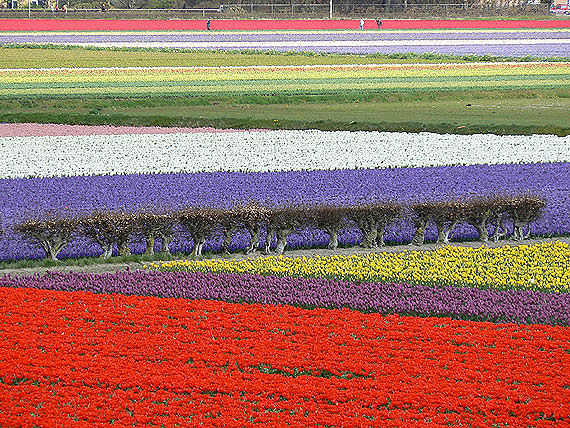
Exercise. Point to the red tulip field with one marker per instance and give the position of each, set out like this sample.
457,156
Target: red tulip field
79,359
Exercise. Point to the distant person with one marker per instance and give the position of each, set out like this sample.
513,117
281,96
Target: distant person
361,23
64,8
208,24
379,23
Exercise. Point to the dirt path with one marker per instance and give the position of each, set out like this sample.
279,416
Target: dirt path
115,267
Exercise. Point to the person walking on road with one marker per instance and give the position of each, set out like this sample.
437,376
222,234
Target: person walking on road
361,23
379,23
208,24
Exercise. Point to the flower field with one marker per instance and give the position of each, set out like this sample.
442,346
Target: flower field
204,363
552,42
272,24
126,169
539,267
132,160
288,80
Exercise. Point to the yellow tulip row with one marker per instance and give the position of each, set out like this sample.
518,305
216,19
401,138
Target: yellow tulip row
544,266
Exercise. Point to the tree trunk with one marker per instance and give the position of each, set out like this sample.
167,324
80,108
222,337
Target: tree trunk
282,235
380,232
107,249
149,242
254,239
527,234
518,234
369,234
107,252
333,238
197,240
500,230
228,235
49,250
166,240
482,230
268,239
52,247
447,233
444,231
124,249
420,235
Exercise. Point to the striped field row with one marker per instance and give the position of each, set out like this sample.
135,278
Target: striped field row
84,81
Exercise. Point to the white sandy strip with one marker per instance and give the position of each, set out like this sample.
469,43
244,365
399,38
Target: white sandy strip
281,150
318,43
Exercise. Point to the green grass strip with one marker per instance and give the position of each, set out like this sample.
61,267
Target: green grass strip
239,89
444,81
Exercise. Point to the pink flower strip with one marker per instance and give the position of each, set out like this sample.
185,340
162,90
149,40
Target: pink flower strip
54,129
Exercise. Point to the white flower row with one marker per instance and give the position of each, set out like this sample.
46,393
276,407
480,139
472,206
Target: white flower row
280,150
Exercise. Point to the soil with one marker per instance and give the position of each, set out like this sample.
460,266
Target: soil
323,252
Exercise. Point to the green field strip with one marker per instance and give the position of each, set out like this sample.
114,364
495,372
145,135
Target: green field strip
332,83
309,89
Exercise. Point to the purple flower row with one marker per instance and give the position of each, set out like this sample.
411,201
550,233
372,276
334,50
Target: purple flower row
301,41
527,307
561,50
281,36
24,198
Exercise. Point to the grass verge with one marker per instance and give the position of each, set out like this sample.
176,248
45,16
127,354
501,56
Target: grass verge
465,112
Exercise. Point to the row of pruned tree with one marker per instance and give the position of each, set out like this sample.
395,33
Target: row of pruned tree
491,217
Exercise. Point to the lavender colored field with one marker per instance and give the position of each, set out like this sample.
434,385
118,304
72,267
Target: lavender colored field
498,43
278,36
464,303
21,198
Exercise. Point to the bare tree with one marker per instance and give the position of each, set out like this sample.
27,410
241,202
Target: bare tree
250,217
479,213
523,210
282,222
446,215
330,218
52,233
421,214
108,228
200,223
373,219
152,225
